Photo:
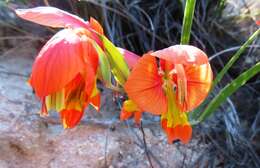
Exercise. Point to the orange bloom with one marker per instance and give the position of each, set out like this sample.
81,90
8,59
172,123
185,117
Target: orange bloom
64,72
177,83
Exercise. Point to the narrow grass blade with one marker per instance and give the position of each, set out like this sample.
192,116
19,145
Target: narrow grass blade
229,90
235,57
187,21
197,112
220,7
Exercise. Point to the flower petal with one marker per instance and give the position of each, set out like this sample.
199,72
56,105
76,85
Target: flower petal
185,133
182,54
90,84
70,118
174,122
199,80
56,101
130,109
91,60
144,86
124,115
179,132
44,110
130,57
181,84
51,16
94,24
90,54
59,61
138,116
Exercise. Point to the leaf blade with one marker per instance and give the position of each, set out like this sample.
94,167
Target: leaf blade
199,111
187,21
235,57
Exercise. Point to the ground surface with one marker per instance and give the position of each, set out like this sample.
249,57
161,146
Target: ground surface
28,141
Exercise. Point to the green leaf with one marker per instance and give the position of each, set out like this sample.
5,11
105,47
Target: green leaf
235,57
187,21
229,90
220,7
104,66
197,112
117,62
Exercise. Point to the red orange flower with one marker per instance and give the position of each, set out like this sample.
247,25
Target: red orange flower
64,72
176,84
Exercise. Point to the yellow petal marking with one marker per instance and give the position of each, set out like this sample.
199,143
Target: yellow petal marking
174,115
130,106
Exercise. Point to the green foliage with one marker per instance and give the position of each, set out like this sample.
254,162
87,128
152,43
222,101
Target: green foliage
229,90
235,57
187,21
197,113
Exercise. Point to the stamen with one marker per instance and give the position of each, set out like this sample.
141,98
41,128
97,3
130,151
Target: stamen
164,85
173,71
160,71
181,84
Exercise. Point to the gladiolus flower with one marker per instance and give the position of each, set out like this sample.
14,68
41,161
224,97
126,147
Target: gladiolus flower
64,72
177,83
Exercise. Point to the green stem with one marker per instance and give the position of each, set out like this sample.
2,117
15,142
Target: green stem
187,21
